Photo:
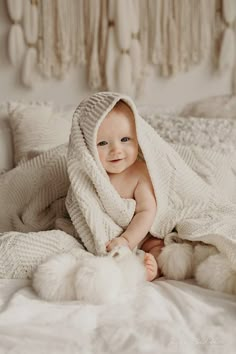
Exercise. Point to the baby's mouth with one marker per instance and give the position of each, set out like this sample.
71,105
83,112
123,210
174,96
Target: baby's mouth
115,160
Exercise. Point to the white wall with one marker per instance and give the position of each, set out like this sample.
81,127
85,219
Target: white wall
198,83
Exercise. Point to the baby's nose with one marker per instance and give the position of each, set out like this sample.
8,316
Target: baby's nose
115,147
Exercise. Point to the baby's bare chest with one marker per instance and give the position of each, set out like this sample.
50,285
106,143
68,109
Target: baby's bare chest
125,185
126,182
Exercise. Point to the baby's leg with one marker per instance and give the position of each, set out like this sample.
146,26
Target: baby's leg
152,247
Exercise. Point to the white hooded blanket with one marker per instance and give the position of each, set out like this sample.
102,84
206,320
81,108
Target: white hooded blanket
185,202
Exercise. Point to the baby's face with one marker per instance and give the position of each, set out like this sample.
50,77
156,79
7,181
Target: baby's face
117,142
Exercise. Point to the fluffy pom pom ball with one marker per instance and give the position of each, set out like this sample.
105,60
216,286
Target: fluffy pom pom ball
95,280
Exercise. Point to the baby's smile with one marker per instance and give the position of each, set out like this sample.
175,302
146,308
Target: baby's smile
116,160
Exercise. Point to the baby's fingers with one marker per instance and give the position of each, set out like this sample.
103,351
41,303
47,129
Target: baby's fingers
109,246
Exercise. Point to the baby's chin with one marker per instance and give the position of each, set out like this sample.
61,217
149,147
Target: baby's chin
116,170
118,167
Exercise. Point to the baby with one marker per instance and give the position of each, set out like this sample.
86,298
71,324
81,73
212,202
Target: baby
118,150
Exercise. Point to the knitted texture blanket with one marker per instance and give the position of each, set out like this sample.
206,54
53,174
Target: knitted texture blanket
32,196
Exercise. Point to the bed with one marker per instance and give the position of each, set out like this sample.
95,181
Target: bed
164,316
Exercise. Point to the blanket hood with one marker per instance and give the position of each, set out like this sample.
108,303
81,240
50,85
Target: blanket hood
91,112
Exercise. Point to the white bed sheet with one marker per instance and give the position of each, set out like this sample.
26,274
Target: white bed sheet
164,317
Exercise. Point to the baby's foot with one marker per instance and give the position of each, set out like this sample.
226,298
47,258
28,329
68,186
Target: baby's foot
151,266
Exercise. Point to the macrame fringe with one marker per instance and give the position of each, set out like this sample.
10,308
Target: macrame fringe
103,39
79,32
173,43
94,76
112,49
118,40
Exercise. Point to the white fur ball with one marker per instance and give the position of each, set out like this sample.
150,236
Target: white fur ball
54,279
216,273
84,277
176,261
98,280
202,252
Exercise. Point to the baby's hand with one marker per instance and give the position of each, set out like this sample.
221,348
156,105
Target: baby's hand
118,241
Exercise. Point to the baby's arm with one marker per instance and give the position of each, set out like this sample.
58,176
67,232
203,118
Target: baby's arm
142,221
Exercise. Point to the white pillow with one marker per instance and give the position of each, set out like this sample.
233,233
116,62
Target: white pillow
37,128
6,144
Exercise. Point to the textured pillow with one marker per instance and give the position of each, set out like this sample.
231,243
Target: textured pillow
213,107
6,146
146,110
219,134
37,128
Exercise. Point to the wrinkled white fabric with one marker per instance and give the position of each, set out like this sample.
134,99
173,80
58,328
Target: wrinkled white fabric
164,317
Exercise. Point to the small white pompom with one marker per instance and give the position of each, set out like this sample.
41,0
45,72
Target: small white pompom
202,252
176,261
216,273
98,280
54,279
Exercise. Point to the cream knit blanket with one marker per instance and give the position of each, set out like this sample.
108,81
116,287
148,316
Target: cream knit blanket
32,196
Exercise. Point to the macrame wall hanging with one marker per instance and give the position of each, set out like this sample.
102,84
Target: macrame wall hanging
117,40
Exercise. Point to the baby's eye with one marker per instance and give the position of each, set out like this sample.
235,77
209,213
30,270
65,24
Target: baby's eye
125,139
102,143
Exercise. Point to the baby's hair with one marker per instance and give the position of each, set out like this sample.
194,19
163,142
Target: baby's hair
120,106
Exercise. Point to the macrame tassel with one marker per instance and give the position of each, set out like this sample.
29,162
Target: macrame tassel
111,60
136,59
229,11
16,42
176,17
30,22
195,32
123,32
172,42
135,48
157,55
63,36
205,28
48,58
15,10
165,13
234,80
94,76
81,57
16,45
228,43
31,31
112,49
123,24
28,67
144,35
173,47
103,37
227,51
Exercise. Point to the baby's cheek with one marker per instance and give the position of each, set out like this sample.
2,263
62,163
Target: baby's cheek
133,153
101,155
